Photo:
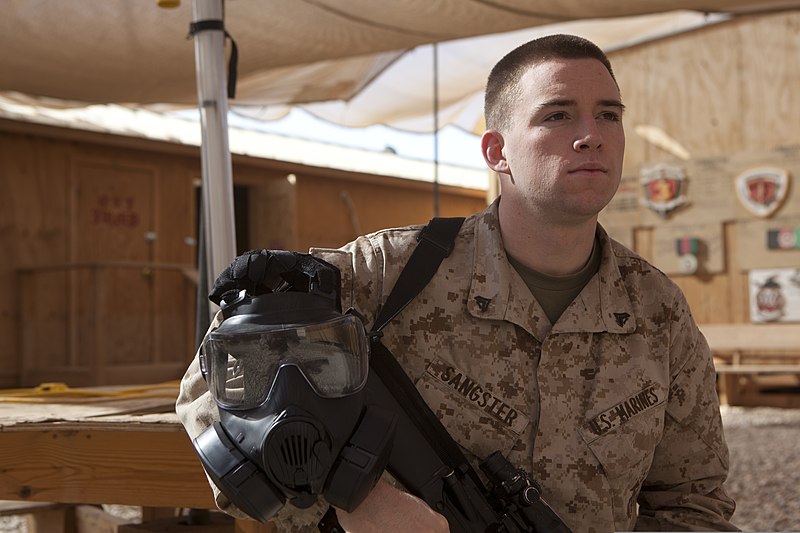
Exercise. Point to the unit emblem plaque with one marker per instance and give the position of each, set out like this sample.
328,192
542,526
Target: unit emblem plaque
762,190
664,187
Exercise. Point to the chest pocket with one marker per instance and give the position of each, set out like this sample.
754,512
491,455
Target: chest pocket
624,437
474,414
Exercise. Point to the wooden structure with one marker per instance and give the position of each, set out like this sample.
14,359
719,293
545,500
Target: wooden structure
99,241
98,231
715,102
756,364
112,445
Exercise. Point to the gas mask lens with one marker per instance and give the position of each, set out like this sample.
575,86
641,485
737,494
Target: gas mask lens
243,360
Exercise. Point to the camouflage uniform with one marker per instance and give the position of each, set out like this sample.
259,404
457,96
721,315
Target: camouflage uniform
613,404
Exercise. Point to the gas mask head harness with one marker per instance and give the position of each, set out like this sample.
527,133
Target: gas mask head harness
287,370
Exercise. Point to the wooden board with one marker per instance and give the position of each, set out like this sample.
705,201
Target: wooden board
129,450
758,338
103,465
712,90
100,451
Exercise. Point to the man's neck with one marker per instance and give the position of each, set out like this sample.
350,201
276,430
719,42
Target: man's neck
548,248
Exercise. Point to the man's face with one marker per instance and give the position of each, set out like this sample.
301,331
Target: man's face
563,145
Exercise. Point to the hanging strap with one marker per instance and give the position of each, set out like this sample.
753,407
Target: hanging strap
434,243
219,25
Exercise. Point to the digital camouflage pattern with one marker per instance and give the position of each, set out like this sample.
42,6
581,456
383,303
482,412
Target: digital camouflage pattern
613,409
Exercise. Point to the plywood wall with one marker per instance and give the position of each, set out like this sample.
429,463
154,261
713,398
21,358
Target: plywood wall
31,169
719,90
727,95
296,208
334,212
98,242
99,246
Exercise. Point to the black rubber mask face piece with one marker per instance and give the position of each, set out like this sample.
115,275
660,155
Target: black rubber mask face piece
289,386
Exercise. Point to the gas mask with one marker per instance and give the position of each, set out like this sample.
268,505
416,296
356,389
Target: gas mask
287,370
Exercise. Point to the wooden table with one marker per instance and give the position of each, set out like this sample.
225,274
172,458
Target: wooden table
129,450
747,354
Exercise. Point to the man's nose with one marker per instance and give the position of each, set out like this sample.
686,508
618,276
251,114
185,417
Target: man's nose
588,137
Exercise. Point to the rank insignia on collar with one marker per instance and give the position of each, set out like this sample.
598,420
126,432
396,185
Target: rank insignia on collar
762,190
483,303
664,187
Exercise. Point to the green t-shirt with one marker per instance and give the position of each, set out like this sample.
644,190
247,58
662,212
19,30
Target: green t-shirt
555,293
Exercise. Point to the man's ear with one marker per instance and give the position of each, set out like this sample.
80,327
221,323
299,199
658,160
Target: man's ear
492,149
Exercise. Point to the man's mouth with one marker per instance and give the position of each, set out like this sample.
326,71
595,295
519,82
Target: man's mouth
589,168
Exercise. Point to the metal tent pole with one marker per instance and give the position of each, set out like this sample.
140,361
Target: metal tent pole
435,130
217,186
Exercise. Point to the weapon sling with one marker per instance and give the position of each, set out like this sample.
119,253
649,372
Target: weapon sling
435,242
425,458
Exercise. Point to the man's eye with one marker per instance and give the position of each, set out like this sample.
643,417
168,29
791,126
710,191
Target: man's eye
611,115
557,116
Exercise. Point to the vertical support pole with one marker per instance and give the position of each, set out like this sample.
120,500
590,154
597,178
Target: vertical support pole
217,189
435,130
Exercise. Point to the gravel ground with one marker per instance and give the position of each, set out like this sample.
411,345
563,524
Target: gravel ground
16,524
765,467
12,524
764,477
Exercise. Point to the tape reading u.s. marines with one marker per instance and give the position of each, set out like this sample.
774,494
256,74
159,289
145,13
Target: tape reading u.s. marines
620,413
479,395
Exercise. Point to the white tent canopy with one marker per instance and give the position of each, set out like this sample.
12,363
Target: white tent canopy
401,96
72,53
360,54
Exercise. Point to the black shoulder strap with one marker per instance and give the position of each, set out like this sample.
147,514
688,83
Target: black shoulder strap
434,243
438,472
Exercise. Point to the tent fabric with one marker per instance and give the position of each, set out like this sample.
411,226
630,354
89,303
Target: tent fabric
402,96
348,52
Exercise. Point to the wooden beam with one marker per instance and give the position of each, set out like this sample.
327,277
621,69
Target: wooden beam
149,468
756,369
752,337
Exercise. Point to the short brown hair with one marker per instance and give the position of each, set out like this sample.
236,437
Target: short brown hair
502,87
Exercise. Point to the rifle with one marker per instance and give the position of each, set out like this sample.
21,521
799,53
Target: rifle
424,457
429,463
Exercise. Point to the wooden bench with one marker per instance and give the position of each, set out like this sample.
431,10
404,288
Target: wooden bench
752,358
87,449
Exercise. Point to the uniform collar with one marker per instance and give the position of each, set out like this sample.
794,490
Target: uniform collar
497,292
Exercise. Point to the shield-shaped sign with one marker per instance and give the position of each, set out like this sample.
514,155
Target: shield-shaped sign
762,190
664,187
